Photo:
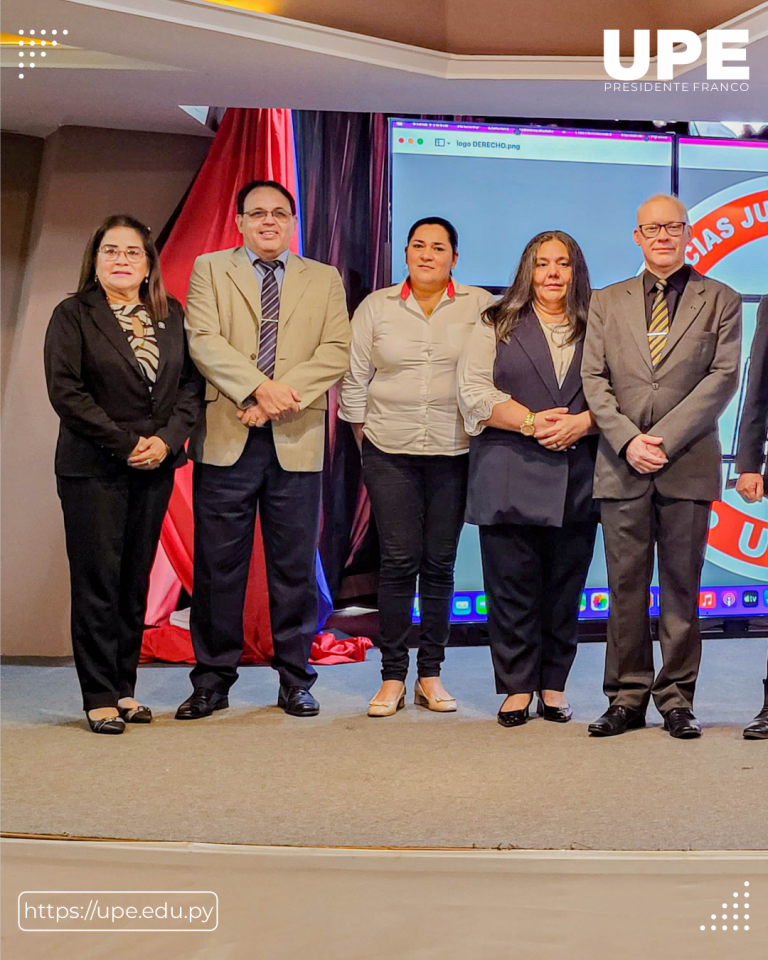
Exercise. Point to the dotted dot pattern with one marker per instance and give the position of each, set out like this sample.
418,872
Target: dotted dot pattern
734,916
32,43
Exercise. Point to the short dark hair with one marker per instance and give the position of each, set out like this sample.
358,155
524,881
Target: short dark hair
152,291
243,192
453,234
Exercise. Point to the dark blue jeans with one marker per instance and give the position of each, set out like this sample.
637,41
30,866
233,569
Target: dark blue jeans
418,503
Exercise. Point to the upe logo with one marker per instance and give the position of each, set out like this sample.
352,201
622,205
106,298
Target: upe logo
668,57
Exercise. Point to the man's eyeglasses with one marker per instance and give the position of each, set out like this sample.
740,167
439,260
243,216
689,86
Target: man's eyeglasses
281,215
651,230
132,254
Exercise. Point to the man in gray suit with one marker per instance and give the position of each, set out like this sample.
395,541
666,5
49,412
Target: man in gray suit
661,362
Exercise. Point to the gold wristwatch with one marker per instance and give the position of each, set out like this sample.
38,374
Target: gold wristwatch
526,427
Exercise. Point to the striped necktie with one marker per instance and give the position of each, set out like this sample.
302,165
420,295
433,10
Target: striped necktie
658,331
270,308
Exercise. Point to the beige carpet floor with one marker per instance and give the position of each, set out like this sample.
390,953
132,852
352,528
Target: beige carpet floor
253,775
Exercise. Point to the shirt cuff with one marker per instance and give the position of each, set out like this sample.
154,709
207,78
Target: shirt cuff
473,424
352,414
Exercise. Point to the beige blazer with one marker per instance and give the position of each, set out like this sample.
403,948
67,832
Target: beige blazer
223,313
680,399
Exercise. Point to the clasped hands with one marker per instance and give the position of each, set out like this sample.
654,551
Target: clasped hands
644,453
274,401
556,429
148,453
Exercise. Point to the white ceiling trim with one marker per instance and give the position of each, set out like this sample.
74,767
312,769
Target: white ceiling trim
315,38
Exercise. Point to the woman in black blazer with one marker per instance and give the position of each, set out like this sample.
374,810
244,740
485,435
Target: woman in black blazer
531,462
127,394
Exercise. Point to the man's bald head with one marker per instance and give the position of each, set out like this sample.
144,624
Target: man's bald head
646,212
662,232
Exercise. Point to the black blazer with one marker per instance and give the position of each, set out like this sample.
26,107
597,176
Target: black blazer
102,398
512,478
750,453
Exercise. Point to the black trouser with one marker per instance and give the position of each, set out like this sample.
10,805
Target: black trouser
226,500
534,577
631,529
418,503
112,528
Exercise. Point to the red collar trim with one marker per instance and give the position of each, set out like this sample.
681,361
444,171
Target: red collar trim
405,290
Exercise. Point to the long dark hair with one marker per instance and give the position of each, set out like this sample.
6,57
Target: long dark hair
152,291
505,314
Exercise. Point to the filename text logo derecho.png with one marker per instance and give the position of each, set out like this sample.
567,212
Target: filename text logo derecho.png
677,49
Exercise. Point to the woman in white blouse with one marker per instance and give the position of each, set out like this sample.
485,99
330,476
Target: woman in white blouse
400,398
532,458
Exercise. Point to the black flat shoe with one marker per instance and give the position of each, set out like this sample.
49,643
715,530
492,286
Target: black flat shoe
616,720
555,714
758,729
202,703
135,714
297,702
681,723
111,725
514,718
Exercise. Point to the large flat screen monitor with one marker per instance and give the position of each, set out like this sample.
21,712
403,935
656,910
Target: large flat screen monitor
501,185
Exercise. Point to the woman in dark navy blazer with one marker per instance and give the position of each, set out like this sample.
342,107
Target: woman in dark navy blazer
127,394
532,457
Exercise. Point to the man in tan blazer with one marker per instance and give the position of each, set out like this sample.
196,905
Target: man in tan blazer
270,333
661,362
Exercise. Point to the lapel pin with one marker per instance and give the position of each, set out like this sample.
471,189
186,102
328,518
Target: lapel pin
161,325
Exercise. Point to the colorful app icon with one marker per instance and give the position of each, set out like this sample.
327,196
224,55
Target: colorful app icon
765,598
599,601
729,598
480,605
583,602
462,606
707,600
749,598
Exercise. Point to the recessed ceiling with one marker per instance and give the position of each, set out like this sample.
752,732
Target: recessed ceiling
561,28
131,63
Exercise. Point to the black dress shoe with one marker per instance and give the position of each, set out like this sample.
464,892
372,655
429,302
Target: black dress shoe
758,729
514,718
555,714
135,714
681,723
298,702
111,725
202,703
616,720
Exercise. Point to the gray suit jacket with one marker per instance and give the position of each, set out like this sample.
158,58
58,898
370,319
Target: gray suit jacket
680,399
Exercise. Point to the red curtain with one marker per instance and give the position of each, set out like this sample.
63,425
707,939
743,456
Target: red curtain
249,145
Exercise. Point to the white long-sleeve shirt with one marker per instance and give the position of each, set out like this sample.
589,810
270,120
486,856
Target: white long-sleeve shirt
402,378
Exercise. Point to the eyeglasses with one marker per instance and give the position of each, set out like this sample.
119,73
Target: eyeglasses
132,254
651,230
281,215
